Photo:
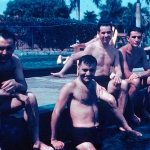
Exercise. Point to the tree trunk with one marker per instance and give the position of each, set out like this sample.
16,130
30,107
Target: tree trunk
138,14
78,9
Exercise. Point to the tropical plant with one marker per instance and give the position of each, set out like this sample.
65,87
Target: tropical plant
129,18
76,4
112,10
90,16
37,8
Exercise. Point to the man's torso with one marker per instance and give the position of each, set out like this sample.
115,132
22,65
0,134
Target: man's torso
83,106
105,59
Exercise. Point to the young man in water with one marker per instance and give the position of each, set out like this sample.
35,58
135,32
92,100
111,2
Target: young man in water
82,96
130,55
13,96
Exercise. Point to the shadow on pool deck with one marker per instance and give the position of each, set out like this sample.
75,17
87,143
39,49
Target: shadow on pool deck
15,131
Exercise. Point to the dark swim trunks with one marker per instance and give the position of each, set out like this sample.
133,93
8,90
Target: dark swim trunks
102,80
92,135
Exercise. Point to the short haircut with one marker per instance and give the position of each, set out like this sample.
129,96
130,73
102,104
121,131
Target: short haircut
134,29
103,23
6,34
87,59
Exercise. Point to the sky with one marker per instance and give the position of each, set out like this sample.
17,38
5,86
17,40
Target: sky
84,5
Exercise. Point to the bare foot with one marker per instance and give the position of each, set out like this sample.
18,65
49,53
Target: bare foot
135,119
133,133
57,75
121,129
41,146
146,114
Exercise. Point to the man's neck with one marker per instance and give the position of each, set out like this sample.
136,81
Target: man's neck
131,48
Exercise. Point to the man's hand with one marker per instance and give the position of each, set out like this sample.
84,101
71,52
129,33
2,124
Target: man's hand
9,86
117,80
57,144
76,47
133,76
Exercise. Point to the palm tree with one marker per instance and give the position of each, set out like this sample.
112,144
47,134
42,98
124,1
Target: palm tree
129,15
76,4
138,12
112,10
90,16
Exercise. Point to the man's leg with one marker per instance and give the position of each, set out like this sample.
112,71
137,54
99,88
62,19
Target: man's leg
122,91
146,101
85,146
104,95
134,87
30,115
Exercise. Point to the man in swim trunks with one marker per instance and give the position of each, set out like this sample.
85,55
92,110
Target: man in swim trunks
106,56
82,97
13,96
130,55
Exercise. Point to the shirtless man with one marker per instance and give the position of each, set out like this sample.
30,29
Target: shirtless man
82,96
106,56
131,54
13,96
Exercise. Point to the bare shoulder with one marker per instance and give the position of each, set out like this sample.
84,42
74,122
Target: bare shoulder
123,48
70,86
15,59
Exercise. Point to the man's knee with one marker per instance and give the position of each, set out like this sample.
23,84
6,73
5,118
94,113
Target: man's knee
136,83
86,146
31,97
124,85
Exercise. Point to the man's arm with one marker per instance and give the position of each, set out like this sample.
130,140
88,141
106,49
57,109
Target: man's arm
19,85
65,94
71,60
145,65
118,73
124,64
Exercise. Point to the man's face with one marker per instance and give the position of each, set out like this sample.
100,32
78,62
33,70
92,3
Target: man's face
105,34
135,38
86,72
6,49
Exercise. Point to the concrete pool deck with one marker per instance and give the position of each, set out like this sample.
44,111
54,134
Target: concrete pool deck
46,88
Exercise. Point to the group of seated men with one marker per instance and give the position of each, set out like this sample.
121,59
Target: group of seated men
82,94
115,88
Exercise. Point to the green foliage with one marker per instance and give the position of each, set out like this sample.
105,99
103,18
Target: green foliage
49,32
37,8
90,16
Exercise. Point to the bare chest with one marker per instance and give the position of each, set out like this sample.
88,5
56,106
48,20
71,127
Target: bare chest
85,97
132,59
104,57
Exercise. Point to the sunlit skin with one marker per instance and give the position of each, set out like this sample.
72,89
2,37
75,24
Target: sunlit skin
87,73
83,98
131,54
105,35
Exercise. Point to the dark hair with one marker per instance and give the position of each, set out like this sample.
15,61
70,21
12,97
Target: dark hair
103,23
6,34
88,59
134,29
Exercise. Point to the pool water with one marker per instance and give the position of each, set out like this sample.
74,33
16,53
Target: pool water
39,62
